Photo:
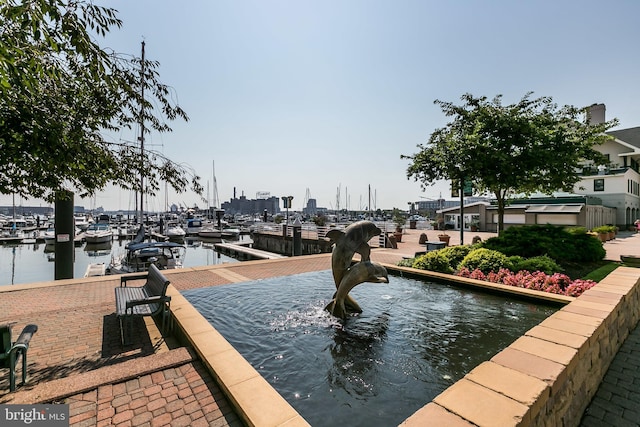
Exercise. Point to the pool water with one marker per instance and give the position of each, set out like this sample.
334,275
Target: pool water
413,340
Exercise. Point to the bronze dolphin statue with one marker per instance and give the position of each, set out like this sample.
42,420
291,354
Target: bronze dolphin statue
353,239
364,271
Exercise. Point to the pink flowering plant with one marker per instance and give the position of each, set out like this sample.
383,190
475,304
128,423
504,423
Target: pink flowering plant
556,283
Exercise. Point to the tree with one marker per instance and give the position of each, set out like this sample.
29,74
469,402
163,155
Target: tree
525,147
60,91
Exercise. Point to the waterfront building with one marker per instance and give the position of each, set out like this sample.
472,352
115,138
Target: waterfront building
606,194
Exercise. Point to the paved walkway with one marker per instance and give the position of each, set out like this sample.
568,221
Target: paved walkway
76,356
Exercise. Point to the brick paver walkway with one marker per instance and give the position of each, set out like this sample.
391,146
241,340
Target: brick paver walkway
617,401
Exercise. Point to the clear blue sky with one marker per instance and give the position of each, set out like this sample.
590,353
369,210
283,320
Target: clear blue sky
286,96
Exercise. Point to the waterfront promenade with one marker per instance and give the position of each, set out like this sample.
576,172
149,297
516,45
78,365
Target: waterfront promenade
76,356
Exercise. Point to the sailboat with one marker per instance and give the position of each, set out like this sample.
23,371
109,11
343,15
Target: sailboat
210,231
139,254
13,235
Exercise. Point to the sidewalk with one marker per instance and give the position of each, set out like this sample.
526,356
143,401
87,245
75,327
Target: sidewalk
76,356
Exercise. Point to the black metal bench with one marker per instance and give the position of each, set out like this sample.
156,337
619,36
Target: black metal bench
147,300
10,351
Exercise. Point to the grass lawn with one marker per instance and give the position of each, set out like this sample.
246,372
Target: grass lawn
595,271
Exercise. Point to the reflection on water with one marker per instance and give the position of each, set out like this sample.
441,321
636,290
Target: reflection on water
29,263
412,341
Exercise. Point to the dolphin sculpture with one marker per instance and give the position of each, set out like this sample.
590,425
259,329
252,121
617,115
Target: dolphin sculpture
364,271
354,238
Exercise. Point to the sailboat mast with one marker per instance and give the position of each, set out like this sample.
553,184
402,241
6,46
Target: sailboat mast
142,136
215,185
369,206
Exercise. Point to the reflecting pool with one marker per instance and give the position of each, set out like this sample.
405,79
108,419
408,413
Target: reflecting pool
413,340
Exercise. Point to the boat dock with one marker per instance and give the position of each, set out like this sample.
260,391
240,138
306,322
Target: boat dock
244,252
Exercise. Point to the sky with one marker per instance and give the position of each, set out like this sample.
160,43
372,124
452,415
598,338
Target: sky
316,98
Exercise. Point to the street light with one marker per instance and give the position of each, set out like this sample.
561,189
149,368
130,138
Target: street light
287,204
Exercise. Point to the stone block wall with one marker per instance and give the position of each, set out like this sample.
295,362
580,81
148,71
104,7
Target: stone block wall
548,376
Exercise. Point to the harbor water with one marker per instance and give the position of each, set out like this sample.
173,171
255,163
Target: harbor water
35,262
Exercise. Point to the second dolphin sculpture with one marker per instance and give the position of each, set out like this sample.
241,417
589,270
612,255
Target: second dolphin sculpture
354,238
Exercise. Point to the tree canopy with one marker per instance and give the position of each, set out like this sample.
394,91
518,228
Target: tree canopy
522,148
60,91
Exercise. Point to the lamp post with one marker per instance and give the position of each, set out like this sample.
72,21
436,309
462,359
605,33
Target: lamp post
461,209
461,182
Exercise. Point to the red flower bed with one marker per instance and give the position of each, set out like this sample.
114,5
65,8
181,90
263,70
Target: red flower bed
557,283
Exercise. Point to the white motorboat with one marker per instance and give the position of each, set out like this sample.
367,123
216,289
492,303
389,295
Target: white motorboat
49,235
174,231
98,233
210,233
231,233
82,222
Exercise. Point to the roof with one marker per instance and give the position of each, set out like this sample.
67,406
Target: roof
568,209
630,136
467,205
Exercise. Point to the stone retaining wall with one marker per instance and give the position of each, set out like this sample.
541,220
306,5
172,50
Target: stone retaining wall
548,376
284,245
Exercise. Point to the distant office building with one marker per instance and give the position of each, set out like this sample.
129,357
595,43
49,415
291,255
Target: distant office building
311,209
431,207
244,206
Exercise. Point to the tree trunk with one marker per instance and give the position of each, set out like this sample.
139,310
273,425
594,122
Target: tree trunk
501,203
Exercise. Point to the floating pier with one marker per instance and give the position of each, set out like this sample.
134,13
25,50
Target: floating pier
243,252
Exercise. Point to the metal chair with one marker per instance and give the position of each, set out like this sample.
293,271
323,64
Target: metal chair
10,351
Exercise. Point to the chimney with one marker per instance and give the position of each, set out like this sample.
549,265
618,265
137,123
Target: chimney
595,115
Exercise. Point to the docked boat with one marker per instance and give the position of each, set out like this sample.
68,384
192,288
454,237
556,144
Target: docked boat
98,233
11,237
210,233
82,222
194,225
49,235
174,231
231,233
139,256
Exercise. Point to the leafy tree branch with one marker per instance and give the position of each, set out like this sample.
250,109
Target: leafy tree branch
532,145
59,91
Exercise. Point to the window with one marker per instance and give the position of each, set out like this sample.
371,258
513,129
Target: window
598,184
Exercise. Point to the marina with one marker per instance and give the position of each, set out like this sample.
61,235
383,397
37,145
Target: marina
22,263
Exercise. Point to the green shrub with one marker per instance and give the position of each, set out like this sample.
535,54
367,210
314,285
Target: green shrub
434,261
539,263
456,254
407,262
605,229
585,248
485,260
576,230
513,262
558,243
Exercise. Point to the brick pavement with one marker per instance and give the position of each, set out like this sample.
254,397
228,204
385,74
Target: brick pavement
78,342
617,401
